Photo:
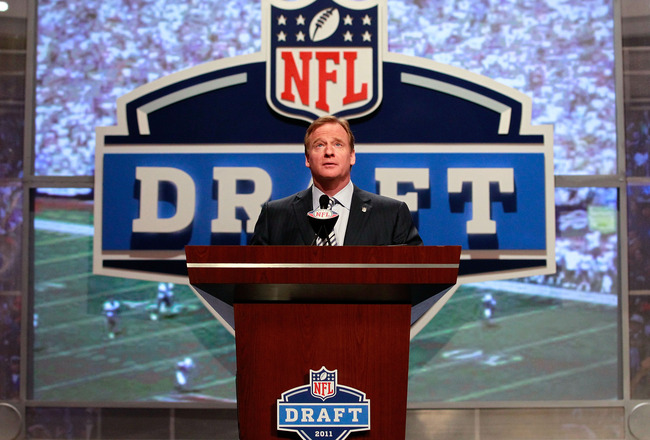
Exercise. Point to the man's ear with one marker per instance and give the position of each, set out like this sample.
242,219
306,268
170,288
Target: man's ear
353,158
307,161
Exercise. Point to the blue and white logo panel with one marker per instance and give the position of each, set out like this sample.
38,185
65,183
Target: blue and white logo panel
323,409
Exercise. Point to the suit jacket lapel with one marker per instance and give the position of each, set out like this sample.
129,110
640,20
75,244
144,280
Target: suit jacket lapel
302,204
360,209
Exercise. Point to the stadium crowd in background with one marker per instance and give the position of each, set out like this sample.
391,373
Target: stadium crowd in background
91,53
586,245
541,51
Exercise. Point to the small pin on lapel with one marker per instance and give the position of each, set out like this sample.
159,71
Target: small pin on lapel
364,209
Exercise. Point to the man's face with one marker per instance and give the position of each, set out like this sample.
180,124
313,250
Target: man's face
329,156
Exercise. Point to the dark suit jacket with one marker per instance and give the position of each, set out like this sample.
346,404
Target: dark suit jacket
374,220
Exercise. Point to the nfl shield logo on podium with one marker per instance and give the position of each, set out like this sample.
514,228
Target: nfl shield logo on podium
323,409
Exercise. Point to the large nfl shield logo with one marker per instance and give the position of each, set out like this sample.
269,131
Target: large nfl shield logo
323,383
324,57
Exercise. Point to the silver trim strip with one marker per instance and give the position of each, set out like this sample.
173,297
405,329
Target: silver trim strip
143,111
504,111
317,266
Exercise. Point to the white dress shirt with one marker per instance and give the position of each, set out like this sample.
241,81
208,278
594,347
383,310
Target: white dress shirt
343,200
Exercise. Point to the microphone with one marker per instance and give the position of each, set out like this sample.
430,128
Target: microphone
324,201
322,220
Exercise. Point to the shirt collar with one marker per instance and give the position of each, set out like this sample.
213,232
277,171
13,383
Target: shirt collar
343,197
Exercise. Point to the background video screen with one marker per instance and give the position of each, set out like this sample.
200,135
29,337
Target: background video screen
542,338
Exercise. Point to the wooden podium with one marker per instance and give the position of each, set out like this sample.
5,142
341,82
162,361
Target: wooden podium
300,308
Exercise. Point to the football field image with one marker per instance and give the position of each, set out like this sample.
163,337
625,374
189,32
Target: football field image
534,348
100,338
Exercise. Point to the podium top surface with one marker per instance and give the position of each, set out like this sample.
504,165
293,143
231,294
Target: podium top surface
322,264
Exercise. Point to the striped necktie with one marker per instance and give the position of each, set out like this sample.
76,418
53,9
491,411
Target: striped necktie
332,236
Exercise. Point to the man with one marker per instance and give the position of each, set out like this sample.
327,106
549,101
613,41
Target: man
364,218
165,297
111,309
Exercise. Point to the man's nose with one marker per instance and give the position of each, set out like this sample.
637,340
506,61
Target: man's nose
329,150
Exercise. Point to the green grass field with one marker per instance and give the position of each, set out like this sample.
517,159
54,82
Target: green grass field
536,348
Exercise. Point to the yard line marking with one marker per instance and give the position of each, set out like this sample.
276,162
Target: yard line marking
71,277
104,294
95,320
66,257
443,365
135,368
121,341
534,380
436,333
60,239
64,227
608,299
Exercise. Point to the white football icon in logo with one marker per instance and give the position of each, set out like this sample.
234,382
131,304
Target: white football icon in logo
324,24
323,375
